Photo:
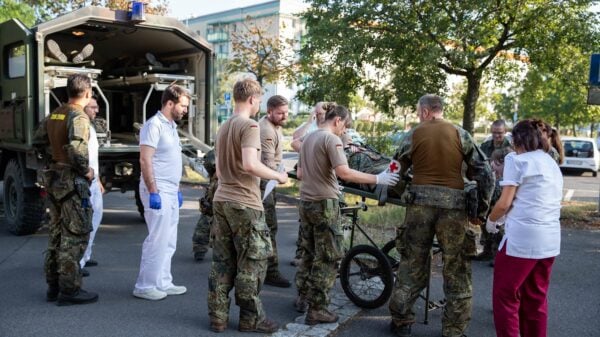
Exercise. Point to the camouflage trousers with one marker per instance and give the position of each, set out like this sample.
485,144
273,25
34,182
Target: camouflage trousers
201,237
321,244
271,219
241,247
414,240
490,242
69,232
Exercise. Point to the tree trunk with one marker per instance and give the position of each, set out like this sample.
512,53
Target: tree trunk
573,128
470,101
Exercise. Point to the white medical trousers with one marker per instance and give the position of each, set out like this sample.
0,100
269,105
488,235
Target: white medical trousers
159,246
97,207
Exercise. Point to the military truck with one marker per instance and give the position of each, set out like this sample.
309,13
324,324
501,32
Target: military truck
131,59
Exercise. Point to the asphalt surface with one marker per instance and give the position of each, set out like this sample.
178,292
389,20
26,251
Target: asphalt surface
574,297
24,311
574,292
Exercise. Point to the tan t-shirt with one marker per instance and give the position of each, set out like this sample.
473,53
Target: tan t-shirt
321,153
270,142
234,183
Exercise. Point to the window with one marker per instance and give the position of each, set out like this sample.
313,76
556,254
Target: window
16,61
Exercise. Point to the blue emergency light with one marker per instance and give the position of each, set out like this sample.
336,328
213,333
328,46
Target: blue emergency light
137,11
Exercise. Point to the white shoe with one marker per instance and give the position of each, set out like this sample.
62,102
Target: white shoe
175,290
150,294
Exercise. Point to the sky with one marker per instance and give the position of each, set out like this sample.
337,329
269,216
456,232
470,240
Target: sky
183,9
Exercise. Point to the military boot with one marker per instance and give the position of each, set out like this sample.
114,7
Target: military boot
400,331
52,293
218,326
77,297
320,316
266,326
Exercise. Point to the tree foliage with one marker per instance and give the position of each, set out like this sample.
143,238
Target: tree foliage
559,94
10,9
417,44
258,51
48,9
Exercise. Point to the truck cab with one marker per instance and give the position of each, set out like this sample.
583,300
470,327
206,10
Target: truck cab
130,61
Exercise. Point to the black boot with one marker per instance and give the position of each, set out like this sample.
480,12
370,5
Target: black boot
52,293
78,297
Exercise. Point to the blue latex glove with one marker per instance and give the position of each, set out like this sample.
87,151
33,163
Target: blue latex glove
85,203
155,201
180,198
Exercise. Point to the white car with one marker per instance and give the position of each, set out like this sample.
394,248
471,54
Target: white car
581,154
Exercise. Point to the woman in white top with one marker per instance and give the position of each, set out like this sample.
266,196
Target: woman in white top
530,208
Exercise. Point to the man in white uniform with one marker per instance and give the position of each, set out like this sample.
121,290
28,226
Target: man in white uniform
96,188
160,162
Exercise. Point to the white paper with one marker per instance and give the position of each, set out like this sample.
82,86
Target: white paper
272,183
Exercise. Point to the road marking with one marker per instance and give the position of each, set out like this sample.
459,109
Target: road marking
568,195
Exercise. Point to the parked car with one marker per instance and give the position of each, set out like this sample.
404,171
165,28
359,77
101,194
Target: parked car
581,154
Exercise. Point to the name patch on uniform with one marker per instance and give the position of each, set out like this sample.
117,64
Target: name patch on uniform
58,117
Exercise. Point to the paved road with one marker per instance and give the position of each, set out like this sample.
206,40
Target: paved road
574,297
24,312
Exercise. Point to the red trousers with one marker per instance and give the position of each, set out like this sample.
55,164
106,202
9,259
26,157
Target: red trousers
520,295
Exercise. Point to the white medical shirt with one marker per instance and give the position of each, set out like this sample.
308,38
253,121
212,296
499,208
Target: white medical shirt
93,152
532,227
161,134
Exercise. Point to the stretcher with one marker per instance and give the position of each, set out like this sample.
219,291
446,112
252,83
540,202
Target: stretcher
367,272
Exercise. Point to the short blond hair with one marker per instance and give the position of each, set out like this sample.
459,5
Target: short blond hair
243,89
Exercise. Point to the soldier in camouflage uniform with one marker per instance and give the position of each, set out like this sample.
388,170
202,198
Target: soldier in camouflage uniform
201,238
241,239
322,160
65,134
437,150
499,141
271,141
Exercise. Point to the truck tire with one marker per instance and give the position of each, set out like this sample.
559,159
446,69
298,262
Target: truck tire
23,207
138,200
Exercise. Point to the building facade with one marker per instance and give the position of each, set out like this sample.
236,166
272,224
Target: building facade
278,19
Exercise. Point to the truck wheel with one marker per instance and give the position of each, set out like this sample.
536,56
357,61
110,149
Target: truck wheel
23,207
138,201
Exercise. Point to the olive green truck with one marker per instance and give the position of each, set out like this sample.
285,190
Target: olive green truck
131,59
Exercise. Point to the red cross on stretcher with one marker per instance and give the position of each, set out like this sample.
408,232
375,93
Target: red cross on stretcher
394,166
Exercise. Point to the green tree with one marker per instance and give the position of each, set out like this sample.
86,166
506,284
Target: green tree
48,9
257,50
559,94
10,9
420,43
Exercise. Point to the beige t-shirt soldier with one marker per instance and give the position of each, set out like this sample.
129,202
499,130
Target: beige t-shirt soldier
271,144
322,160
241,240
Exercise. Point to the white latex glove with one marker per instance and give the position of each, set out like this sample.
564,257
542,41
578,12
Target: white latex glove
492,226
386,178
502,220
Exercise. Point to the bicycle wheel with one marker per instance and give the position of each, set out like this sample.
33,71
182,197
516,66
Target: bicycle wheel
390,251
366,276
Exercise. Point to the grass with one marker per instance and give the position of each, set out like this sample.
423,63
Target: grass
580,215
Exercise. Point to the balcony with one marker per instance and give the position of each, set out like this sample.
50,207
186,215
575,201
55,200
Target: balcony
217,37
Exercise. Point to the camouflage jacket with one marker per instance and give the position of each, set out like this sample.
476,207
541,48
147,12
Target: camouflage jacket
488,146
77,133
478,167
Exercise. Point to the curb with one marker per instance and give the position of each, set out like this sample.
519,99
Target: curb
340,304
